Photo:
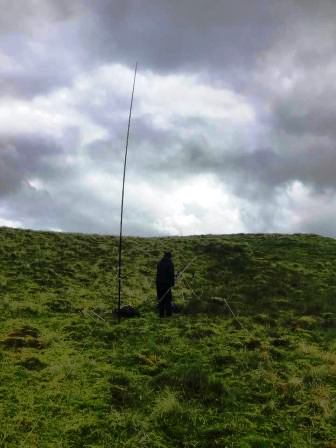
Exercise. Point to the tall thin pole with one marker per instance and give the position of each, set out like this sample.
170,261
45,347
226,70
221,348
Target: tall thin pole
122,195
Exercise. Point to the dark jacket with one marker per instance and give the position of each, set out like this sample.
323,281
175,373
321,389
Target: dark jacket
165,272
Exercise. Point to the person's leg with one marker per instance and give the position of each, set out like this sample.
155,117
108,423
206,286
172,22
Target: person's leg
161,308
161,304
168,304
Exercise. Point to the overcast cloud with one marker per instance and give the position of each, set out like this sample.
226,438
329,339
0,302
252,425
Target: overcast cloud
233,125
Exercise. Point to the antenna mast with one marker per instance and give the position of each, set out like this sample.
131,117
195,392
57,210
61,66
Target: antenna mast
122,196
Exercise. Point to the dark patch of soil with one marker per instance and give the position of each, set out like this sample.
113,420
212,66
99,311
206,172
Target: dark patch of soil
24,337
16,342
252,344
33,364
25,332
281,342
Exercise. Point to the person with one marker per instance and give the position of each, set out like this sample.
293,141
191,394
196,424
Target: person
165,280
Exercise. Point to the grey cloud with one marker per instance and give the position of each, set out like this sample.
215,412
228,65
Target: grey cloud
40,41
44,210
150,149
318,222
183,35
28,16
72,210
39,64
308,109
266,170
248,170
226,41
58,205
23,157
249,46
316,120
64,200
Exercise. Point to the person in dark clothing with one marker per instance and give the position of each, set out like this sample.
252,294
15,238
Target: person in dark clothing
165,280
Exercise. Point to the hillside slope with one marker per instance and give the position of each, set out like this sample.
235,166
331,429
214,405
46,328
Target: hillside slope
259,374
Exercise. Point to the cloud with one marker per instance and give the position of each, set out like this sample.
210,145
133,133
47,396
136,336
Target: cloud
71,177
32,15
40,49
233,119
77,165
22,157
179,36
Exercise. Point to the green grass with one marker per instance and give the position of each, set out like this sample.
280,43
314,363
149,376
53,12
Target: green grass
71,376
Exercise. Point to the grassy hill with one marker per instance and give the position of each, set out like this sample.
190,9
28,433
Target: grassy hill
262,374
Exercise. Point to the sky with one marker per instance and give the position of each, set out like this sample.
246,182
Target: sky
233,127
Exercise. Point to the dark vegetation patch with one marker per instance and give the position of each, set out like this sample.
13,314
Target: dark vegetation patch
28,311
17,342
25,336
253,343
193,382
224,359
25,331
281,342
60,306
329,320
33,364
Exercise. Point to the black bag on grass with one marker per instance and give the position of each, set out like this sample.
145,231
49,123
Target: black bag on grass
127,311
